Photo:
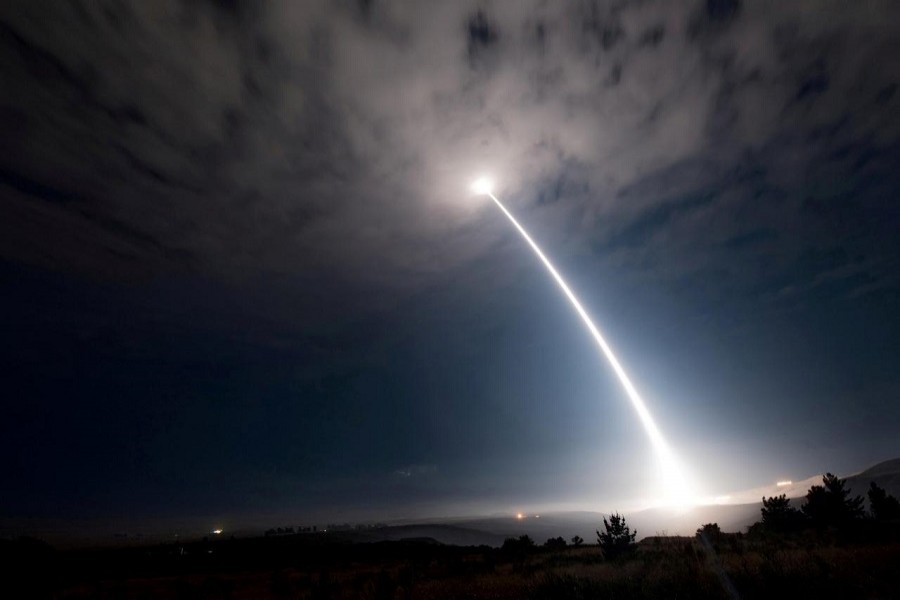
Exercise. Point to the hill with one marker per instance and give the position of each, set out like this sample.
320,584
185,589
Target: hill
886,474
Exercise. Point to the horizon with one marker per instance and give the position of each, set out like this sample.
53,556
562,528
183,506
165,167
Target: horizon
155,530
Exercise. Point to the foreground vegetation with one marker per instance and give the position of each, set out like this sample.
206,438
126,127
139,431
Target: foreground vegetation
828,548
807,564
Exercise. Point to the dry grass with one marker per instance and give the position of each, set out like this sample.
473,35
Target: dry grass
660,568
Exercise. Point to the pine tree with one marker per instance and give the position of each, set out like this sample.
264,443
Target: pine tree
830,504
884,506
618,537
779,515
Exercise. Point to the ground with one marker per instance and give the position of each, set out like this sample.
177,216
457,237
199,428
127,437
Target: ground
810,565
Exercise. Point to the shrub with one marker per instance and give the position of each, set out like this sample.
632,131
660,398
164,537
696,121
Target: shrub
710,531
557,543
519,545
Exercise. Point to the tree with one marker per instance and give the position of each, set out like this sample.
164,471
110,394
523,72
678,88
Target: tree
830,505
577,540
711,531
518,549
519,545
779,515
557,543
884,506
618,537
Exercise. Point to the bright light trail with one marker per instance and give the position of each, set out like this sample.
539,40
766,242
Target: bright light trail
677,490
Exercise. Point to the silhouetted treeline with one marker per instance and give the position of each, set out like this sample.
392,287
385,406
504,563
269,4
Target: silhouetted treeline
333,527
829,507
38,566
308,565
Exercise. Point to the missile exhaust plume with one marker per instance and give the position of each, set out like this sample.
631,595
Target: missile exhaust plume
677,491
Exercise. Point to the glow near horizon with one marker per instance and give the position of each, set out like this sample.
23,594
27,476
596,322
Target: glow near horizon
677,489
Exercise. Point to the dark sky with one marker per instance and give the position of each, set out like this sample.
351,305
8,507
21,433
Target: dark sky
242,273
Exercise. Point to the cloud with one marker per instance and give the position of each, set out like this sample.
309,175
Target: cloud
336,139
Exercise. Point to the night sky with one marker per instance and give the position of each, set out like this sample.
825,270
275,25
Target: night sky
241,271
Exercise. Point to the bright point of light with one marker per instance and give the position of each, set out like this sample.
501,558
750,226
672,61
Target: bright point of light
784,483
482,186
217,531
520,516
677,491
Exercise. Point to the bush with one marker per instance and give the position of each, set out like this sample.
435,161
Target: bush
557,543
520,545
710,531
523,542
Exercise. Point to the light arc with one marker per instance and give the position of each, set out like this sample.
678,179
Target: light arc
675,482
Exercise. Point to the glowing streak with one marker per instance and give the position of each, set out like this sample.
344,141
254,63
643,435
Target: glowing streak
677,489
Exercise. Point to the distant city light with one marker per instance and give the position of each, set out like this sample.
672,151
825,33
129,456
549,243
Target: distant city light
217,531
784,483
520,516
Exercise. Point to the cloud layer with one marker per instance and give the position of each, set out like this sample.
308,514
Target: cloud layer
234,138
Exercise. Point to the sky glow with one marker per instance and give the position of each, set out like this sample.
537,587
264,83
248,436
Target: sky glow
676,489
284,269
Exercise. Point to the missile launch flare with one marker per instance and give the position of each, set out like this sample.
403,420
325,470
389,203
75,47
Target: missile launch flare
677,490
